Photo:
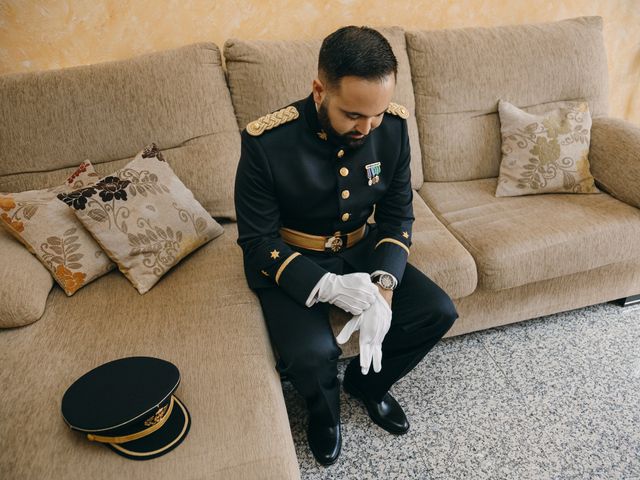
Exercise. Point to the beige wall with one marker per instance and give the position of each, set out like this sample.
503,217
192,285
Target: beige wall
38,35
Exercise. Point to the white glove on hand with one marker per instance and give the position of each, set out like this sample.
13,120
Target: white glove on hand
373,324
353,292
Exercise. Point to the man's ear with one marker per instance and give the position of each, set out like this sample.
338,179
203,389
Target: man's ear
318,90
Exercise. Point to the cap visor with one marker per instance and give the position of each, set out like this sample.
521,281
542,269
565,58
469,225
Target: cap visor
162,441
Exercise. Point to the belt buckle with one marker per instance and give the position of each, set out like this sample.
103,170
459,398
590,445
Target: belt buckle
335,243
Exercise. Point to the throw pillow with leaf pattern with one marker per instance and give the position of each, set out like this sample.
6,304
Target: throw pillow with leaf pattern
545,153
144,218
53,233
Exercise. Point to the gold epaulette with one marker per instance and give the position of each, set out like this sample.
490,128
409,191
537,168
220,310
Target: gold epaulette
272,120
399,110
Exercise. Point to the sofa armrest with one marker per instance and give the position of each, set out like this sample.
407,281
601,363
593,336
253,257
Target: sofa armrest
24,284
614,158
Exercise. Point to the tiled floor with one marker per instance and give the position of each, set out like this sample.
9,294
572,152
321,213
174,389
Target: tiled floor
557,397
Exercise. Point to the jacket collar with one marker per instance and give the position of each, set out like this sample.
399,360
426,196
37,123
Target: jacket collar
311,114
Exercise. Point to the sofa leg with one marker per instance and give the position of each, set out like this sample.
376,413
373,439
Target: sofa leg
628,301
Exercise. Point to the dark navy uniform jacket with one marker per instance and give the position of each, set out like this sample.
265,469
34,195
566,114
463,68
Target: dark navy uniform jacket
293,176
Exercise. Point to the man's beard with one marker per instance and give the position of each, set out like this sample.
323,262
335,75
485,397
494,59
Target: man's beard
346,139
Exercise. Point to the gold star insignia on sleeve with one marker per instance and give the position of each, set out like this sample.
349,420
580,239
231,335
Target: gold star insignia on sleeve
405,234
323,135
275,254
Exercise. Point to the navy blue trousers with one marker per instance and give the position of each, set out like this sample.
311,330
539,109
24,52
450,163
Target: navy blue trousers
308,351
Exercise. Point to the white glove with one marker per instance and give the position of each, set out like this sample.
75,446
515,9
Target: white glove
373,324
353,292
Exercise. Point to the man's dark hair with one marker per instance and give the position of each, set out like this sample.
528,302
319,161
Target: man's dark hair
356,51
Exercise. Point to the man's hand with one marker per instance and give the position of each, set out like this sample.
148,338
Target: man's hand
373,324
353,292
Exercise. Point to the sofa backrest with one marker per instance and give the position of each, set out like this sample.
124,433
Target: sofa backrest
266,75
460,74
53,120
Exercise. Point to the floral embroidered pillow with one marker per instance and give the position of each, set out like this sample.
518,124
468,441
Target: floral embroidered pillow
144,218
53,233
545,153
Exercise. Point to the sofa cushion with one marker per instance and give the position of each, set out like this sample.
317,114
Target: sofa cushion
203,318
439,255
24,284
53,234
546,153
267,75
521,240
459,75
177,98
143,217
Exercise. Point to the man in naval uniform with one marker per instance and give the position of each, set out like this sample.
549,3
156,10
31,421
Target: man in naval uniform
308,179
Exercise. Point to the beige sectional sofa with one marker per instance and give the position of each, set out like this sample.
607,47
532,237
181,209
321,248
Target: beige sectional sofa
502,260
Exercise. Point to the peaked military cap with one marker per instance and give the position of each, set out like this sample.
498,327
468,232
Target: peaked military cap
128,405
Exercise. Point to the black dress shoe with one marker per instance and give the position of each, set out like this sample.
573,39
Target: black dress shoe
325,442
387,413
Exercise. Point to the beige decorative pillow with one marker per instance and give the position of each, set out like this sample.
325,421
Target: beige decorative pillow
144,218
545,153
53,234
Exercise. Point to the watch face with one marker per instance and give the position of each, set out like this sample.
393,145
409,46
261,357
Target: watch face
386,282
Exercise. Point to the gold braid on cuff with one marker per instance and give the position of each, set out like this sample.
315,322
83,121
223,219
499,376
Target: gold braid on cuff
393,240
284,265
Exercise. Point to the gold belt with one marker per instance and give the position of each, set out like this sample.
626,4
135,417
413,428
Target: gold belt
320,243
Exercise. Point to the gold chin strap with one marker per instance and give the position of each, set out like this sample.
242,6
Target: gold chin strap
155,421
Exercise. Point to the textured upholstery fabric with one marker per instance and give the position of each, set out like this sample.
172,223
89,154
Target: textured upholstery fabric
208,324
437,253
24,285
106,112
615,158
257,68
520,240
460,74
489,308
50,231
545,153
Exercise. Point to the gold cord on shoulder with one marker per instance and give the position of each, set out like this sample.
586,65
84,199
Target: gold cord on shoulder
272,120
399,110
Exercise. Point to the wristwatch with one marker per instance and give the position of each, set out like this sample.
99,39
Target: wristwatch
386,281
